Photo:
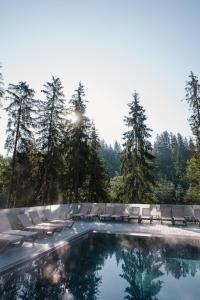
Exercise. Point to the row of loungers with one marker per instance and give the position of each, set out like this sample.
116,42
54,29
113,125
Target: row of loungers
119,213
30,227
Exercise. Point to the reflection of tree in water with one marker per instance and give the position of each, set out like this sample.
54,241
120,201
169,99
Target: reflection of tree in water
30,282
50,278
77,272
181,260
84,279
141,269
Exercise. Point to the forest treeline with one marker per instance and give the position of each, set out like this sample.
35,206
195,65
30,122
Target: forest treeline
55,154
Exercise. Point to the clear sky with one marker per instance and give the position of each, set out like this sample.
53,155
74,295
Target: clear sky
114,47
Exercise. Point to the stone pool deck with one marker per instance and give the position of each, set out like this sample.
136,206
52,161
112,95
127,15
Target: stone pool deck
14,256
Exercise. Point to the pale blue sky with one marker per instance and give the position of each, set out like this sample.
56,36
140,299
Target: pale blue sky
114,47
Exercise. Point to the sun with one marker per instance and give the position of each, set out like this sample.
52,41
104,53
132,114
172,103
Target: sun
74,117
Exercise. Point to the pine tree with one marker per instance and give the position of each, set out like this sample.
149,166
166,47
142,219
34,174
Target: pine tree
193,98
51,124
20,124
193,176
1,85
137,158
97,179
76,155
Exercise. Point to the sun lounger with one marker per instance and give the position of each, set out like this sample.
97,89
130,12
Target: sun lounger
125,214
178,215
134,213
27,224
146,214
48,216
118,213
93,213
8,239
189,214
38,221
6,228
197,215
107,215
85,209
166,214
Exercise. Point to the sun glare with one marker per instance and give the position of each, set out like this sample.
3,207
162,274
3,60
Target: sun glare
74,117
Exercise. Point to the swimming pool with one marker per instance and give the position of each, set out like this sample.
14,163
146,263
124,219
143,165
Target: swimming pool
109,267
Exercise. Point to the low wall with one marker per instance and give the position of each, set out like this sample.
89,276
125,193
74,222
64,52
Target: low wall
64,210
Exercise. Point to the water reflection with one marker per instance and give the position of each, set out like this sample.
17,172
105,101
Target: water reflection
141,269
77,274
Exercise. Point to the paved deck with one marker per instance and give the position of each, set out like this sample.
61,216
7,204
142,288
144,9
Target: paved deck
14,256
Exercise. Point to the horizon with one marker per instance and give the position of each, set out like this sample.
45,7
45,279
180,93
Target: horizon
113,48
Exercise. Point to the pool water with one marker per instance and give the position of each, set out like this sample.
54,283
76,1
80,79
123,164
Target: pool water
109,267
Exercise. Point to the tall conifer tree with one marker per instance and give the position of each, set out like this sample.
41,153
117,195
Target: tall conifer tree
97,179
193,98
1,85
51,124
20,124
77,147
137,158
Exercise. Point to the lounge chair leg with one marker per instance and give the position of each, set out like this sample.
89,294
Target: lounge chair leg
3,246
21,243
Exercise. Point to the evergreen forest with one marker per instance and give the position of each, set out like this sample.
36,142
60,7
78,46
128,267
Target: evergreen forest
53,157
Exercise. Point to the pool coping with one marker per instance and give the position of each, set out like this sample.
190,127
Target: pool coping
43,252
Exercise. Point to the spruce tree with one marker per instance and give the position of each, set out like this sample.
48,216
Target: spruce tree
97,178
19,128
193,176
193,98
137,158
51,123
1,85
76,155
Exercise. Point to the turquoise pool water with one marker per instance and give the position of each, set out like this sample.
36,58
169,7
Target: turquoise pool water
109,267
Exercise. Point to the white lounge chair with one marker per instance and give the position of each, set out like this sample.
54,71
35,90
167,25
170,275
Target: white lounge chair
146,214
178,215
166,214
49,217
134,213
36,219
27,224
85,209
6,228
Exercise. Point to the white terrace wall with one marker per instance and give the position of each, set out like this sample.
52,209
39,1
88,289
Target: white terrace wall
64,210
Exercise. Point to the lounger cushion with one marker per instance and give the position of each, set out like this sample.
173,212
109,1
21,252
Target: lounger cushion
21,232
10,238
